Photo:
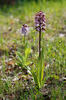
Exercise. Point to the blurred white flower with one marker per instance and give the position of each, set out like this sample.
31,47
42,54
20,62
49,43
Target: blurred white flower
15,79
61,35
11,16
16,19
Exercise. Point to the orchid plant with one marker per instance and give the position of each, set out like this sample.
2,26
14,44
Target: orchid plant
24,30
22,60
40,26
38,68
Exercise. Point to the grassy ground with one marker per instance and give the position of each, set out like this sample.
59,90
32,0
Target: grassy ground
16,83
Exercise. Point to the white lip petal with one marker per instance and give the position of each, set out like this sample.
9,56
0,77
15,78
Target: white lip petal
36,25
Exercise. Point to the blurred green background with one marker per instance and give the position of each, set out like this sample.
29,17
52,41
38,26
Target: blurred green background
15,13
7,2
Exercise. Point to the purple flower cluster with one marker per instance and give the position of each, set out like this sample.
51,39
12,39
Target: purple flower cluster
40,21
24,29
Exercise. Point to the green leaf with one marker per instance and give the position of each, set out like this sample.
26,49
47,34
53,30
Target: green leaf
27,52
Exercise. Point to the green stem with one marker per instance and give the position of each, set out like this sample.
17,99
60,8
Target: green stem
24,39
40,43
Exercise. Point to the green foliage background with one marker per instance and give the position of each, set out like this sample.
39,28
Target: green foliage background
16,1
